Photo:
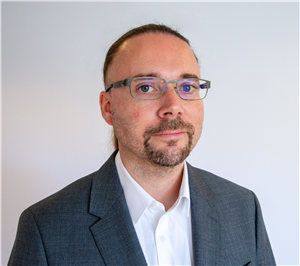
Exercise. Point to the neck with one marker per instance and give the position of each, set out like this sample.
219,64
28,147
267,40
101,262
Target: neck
160,182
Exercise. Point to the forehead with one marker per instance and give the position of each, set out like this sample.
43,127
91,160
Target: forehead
160,53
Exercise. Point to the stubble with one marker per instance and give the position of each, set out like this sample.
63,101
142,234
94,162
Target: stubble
168,157
162,157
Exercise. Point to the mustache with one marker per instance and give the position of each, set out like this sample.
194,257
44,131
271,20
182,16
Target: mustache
165,125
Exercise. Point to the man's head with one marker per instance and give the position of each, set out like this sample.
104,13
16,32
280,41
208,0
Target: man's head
162,131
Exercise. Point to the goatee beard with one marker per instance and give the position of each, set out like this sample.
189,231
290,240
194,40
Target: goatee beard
165,157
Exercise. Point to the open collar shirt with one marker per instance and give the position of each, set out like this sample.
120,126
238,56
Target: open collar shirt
165,237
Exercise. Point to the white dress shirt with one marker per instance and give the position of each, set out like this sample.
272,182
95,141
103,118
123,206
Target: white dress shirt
165,237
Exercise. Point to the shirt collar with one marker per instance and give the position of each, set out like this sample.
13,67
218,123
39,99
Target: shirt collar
138,199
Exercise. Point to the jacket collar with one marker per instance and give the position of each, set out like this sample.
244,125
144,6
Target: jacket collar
114,233
205,225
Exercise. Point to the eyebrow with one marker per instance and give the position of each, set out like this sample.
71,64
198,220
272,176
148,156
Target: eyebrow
156,75
186,76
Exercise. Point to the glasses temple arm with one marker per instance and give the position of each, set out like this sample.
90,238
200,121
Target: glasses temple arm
205,85
117,84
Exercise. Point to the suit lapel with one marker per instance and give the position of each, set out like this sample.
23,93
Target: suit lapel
114,233
205,226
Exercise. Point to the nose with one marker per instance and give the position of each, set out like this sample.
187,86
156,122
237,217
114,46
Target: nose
170,103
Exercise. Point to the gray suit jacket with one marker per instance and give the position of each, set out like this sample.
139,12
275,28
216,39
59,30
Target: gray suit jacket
88,223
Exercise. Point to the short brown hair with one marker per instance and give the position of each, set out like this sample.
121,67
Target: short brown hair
148,28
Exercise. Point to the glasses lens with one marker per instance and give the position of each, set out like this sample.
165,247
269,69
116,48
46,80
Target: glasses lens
147,88
192,89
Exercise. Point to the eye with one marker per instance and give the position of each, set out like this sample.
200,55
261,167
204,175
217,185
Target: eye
187,88
145,88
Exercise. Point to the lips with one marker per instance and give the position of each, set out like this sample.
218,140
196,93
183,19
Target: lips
170,129
170,134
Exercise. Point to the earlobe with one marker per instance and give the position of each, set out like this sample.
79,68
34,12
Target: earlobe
105,106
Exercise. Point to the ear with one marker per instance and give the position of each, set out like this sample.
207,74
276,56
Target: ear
105,106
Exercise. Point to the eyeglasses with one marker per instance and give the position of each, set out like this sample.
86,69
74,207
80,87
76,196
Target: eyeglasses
152,88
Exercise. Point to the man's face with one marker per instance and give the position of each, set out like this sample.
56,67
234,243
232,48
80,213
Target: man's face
161,131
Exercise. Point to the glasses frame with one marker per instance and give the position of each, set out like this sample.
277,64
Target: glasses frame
128,81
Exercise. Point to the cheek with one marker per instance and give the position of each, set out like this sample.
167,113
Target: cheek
139,114
196,116
136,115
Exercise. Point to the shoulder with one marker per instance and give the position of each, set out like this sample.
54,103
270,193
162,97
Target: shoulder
70,198
76,196
217,182
234,217
220,192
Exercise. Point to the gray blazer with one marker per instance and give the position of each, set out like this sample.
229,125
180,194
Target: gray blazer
88,223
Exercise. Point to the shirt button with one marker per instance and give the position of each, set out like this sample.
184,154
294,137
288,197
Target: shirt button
163,239
156,206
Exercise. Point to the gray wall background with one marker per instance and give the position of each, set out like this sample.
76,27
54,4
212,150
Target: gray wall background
53,132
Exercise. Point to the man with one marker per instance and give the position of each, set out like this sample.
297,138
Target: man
146,205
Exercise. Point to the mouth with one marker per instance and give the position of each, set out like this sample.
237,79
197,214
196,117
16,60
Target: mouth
171,130
170,134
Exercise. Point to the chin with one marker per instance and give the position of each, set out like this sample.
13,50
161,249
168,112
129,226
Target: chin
168,157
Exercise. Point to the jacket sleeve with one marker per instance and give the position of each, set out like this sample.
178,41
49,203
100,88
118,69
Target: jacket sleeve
28,248
264,254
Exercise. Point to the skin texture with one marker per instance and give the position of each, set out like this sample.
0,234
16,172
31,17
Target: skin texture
170,127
